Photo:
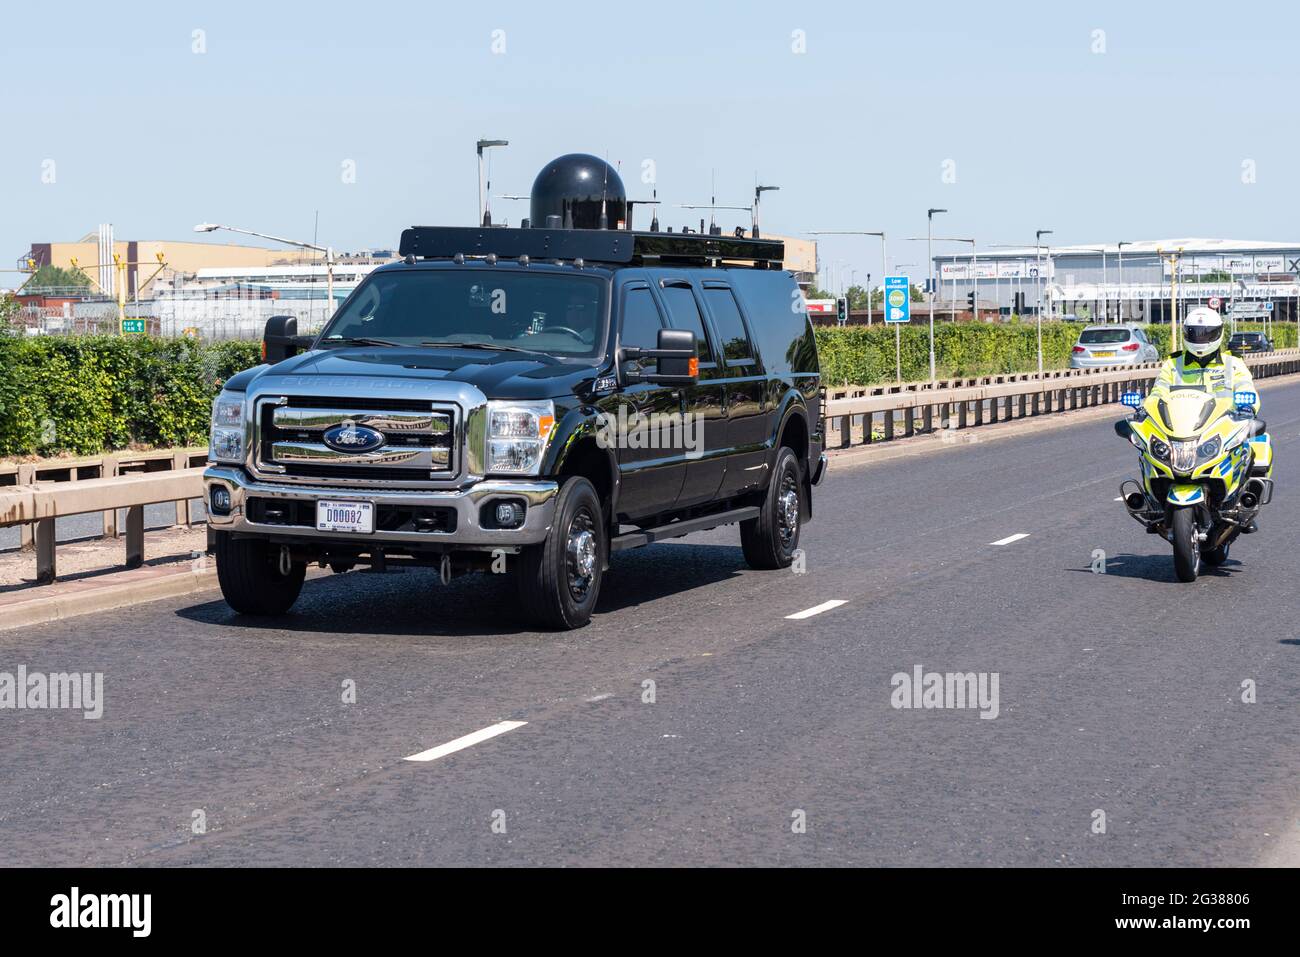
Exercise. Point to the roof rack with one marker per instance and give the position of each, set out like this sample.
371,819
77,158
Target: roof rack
624,247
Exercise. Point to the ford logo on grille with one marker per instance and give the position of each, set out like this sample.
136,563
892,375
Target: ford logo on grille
353,438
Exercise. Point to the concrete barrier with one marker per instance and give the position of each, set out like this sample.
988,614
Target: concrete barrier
39,505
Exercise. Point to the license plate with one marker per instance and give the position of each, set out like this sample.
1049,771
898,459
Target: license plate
1103,355
345,517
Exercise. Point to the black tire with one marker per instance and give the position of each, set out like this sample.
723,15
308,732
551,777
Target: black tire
559,579
1215,556
1187,549
770,540
250,578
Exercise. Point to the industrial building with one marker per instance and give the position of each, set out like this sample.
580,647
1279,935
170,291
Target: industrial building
1126,281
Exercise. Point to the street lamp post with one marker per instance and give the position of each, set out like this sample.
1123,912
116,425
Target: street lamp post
758,195
484,213
1038,241
327,250
884,261
1119,298
929,258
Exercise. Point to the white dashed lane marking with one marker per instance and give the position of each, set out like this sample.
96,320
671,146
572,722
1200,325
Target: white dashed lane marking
816,609
1010,538
467,741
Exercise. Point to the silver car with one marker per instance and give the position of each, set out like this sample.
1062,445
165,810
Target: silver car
1112,345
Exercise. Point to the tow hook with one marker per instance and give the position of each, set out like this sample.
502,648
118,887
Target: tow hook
286,561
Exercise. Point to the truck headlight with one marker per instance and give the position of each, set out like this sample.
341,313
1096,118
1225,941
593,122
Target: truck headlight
227,441
517,435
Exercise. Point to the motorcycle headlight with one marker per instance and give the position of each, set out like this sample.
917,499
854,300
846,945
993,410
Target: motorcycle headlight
517,435
1160,450
227,437
1209,450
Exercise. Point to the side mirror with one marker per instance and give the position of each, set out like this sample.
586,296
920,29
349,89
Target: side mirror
675,355
1123,429
280,339
1132,399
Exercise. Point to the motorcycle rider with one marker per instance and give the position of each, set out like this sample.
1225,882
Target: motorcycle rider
1204,363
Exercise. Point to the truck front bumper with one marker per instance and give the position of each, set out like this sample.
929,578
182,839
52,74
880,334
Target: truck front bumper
296,505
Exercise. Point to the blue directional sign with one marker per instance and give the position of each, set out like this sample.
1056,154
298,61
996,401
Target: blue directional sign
898,299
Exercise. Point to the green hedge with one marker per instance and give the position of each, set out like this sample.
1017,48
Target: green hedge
91,394
864,355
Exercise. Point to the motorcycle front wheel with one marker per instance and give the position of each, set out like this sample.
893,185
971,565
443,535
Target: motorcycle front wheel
1187,547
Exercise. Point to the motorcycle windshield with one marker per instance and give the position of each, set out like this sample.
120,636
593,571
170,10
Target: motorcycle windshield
1185,412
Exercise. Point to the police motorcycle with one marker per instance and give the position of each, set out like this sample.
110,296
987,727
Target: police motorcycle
1206,467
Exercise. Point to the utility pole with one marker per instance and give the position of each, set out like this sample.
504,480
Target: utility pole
929,259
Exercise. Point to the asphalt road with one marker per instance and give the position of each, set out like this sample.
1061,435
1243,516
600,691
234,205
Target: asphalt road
1118,693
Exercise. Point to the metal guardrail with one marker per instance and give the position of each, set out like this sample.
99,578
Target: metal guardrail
34,495
960,403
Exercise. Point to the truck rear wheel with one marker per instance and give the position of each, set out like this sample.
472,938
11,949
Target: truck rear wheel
770,540
252,583
559,580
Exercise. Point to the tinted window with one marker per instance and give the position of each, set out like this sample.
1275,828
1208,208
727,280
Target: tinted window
1103,336
683,313
729,324
641,322
541,311
778,319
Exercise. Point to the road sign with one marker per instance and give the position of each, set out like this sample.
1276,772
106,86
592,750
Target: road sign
1215,302
898,299
132,326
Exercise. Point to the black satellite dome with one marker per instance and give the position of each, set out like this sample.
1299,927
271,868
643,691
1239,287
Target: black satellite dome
574,188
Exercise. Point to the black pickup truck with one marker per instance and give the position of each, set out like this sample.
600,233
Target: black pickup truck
524,400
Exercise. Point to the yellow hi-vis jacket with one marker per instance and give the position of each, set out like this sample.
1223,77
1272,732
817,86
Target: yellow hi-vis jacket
1223,373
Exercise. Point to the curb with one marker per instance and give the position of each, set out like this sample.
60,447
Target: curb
44,609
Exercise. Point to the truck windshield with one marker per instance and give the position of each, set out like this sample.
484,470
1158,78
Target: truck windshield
560,315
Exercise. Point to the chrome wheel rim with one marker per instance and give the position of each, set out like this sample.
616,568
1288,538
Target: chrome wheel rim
581,555
787,509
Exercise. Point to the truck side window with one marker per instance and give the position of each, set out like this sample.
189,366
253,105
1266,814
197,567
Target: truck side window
736,347
683,313
640,323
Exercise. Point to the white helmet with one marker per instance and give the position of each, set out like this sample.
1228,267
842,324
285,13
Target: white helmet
1202,331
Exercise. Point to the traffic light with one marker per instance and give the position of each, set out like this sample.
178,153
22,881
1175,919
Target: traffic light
970,301
842,310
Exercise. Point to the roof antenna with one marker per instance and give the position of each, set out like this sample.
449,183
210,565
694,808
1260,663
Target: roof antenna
713,198
654,220
604,219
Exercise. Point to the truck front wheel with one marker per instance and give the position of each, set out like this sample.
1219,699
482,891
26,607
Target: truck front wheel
559,580
251,580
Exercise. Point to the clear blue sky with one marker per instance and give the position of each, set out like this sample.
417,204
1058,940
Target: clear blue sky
1143,141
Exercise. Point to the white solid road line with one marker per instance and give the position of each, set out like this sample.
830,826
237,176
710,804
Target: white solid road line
816,609
1010,538
467,741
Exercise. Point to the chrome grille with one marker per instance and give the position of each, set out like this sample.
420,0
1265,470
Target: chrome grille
418,441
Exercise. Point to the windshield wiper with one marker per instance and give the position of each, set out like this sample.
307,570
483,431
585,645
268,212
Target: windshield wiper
360,341
481,345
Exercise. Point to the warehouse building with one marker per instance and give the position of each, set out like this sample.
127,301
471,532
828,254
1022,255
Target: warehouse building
1127,281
